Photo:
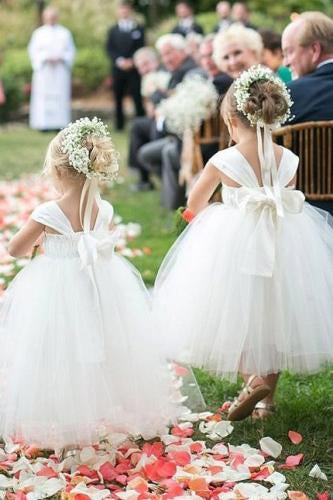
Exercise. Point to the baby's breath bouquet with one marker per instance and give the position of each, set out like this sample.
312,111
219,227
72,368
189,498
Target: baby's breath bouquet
193,101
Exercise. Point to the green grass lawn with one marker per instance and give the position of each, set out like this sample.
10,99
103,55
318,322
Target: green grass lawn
304,404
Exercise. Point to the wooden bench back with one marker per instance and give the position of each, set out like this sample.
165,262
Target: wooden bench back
313,143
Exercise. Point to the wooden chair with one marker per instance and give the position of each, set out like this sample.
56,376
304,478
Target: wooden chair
213,131
313,143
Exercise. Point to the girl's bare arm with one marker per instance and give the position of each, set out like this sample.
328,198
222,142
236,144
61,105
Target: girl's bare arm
204,188
23,241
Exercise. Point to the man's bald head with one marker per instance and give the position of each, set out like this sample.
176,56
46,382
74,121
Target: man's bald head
50,16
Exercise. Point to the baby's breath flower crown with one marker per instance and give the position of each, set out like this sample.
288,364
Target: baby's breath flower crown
78,154
242,93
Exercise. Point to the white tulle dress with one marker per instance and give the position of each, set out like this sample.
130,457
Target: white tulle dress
248,286
77,357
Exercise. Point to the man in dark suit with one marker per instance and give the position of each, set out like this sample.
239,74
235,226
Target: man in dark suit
223,11
123,39
307,44
240,14
186,22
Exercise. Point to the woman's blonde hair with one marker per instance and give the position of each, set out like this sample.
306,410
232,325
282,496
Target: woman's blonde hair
237,33
101,154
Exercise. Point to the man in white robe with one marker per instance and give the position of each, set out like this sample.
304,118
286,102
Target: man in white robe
51,50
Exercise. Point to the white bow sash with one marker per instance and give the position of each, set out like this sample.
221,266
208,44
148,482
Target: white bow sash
267,207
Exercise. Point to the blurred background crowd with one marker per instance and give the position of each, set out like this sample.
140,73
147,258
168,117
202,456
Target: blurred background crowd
143,58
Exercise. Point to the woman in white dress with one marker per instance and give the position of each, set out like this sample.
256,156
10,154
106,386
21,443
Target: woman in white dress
78,359
248,286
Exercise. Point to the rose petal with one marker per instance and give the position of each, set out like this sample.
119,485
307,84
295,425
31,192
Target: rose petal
317,473
295,437
294,460
271,447
297,495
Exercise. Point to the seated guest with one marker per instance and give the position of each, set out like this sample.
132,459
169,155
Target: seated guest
171,49
307,45
237,49
193,41
221,80
272,54
153,78
223,11
240,14
146,60
186,22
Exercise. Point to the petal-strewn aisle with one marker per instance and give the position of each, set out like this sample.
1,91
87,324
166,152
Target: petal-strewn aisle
193,460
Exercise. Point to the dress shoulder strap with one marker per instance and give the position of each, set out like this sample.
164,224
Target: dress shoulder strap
50,214
233,164
288,167
105,215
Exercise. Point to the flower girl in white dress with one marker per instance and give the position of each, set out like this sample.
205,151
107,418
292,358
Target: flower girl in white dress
248,287
77,357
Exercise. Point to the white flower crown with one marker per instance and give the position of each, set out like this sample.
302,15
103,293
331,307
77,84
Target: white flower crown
78,154
242,93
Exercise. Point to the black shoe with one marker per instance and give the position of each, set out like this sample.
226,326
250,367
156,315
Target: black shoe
141,187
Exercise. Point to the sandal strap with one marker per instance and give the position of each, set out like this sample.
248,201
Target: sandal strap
261,405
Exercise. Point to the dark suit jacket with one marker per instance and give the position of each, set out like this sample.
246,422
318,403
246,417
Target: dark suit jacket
124,43
313,95
178,75
222,82
194,28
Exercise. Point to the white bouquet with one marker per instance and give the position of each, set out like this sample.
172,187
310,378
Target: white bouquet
156,80
193,101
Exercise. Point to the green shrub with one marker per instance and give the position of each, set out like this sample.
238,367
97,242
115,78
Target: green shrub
14,97
91,67
16,64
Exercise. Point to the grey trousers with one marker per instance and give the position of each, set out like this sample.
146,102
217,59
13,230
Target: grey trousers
163,158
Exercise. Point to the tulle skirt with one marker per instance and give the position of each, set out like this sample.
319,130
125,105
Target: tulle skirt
78,359
214,316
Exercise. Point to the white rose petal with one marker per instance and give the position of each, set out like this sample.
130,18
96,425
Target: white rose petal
276,478
317,473
271,447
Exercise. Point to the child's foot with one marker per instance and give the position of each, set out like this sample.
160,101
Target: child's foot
69,451
263,410
254,391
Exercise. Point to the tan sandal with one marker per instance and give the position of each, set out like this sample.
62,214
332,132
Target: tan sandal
263,410
242,408
70,451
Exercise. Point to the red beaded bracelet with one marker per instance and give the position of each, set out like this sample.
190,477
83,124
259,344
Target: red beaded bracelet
187,215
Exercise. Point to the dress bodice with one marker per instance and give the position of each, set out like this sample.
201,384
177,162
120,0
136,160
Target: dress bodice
263,206
232,163
67,242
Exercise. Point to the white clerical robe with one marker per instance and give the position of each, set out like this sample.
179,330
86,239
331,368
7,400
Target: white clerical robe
50,104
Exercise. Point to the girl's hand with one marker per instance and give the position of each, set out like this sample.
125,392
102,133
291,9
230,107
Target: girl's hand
27,237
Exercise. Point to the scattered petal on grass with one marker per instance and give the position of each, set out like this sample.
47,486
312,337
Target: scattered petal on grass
295,437
297,495
323,496
316,473
270,447
294,460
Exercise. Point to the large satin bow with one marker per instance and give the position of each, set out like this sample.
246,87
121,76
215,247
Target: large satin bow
91,247
267,207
